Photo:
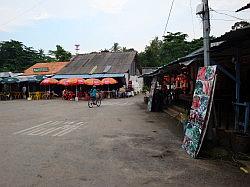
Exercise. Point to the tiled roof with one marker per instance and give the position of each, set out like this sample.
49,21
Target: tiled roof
45,68
104,62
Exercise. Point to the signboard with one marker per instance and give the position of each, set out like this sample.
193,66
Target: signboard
44,69
151,94
200,110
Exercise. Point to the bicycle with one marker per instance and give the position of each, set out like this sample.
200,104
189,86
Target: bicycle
94,101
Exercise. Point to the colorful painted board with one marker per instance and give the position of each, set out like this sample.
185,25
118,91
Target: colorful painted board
151,94
200,110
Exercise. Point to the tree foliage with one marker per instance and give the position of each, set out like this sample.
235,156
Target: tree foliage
170,48
60,54
240,24
16,57
115,47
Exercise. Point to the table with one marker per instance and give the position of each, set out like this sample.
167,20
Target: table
4,96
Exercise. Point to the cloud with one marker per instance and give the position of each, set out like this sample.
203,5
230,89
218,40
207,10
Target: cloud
108,6
41,16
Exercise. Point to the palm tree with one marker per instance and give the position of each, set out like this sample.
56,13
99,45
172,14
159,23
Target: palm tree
116,47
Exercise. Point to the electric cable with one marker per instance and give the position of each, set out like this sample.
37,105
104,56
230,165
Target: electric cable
228,15
165,29
215,19
22,13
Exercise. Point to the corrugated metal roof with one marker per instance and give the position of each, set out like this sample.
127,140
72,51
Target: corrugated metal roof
186,60
147,70
244,7
86,76
120,62
235,35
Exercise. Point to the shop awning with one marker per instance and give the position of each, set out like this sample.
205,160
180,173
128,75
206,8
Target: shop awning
88,76
31,78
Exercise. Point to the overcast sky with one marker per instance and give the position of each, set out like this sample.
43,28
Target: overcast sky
97,24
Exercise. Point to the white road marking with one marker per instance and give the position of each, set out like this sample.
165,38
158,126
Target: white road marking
55,128
33,127
72,127
49,131
70,130
36,129
66,129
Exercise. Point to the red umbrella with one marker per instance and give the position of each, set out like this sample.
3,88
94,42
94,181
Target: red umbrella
63,82
49,81
75,81
91,82
109,81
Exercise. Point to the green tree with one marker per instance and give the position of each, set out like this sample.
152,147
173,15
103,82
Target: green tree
16,57
60,54
240,24
115,47
151,55
170,48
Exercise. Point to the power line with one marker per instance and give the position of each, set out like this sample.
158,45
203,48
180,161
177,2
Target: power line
168,18
223,19
223,10
228,15
22,13
191,11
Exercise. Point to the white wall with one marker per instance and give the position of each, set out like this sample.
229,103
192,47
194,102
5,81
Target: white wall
137,83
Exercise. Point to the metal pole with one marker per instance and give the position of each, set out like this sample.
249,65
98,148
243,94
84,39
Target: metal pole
206,33
237,94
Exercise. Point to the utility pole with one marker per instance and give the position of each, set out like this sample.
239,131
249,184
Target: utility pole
206,32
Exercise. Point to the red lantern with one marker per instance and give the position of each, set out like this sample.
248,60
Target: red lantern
178,82
184,83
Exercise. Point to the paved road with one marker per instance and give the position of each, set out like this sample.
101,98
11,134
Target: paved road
64,143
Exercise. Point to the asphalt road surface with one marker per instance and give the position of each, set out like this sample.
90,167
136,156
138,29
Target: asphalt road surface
64,143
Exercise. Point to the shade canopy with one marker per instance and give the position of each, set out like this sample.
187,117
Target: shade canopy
49,81
9,80
93,82
31,78
75,81
108,81
63,82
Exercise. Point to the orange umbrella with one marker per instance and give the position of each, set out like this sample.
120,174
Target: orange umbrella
49,81
109,81
75,81
92,82
63,82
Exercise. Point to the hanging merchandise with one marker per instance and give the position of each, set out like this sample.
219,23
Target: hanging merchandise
184,83
178,82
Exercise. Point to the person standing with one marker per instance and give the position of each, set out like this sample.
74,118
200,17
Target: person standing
24,90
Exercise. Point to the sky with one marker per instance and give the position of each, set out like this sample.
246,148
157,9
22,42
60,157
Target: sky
97,24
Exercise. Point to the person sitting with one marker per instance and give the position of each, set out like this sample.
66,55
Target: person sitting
65,94
53,94
122,92
93,92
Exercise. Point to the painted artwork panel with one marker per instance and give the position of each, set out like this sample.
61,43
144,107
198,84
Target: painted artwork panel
200,109
151,94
